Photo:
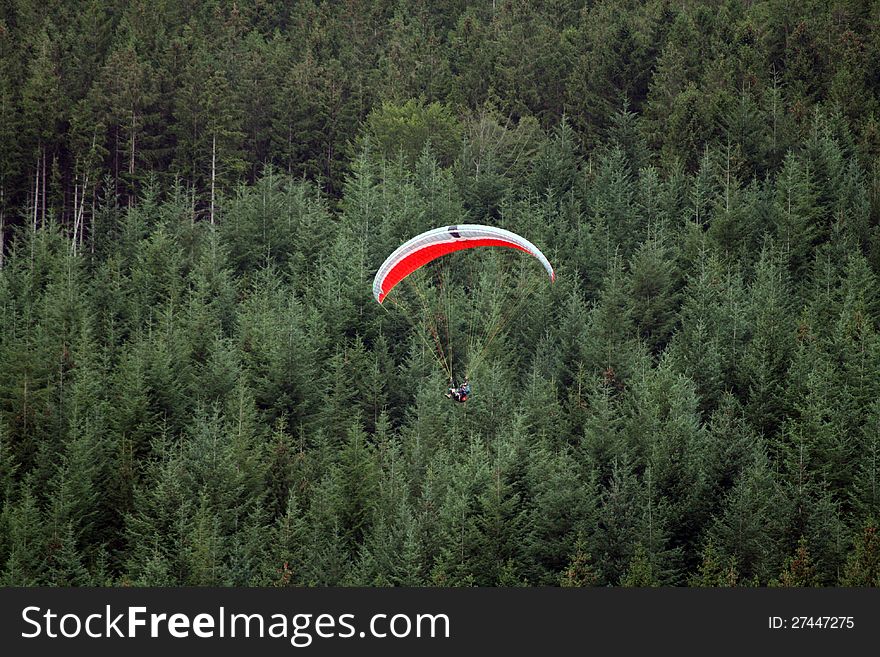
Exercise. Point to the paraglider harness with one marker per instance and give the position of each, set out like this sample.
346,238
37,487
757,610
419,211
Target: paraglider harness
459,393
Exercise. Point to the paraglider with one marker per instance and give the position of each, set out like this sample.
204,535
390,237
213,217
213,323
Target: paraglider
421,252
459,393
430,245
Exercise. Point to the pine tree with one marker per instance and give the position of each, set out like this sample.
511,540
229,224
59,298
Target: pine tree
865,493
562,507
580,571
613,209
391,554
863,565
74,497
471,543
358,481
65,566
640,571
327,553
127,84
208,126
709,345
289,545
749,526
620,521
730,443
11,164
654,294
664,437
42,111
556,165
157,528
714,571
27,543
799,570
610,340
473,54
762,369
795,214
206,546
532,49
625,133
612,56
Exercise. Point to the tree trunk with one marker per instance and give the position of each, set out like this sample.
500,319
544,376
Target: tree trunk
75,214
43,215
36,193
82,209
92,222
2,229
116,164
213,172
131,158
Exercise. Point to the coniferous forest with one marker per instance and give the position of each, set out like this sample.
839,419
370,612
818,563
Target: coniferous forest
197,386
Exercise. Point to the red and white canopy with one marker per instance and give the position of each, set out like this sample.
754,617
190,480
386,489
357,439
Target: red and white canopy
435,243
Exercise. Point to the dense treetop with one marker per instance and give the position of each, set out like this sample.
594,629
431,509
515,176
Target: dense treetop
196,386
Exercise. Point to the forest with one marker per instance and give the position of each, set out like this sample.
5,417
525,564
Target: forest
198,388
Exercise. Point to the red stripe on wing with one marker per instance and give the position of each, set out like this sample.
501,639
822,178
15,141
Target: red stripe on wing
426,254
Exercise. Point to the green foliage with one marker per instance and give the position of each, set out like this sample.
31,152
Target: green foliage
641,570
405,130
799,570
713,571
579,572
197,388
863,565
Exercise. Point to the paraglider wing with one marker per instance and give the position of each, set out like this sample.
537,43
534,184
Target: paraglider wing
428,246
